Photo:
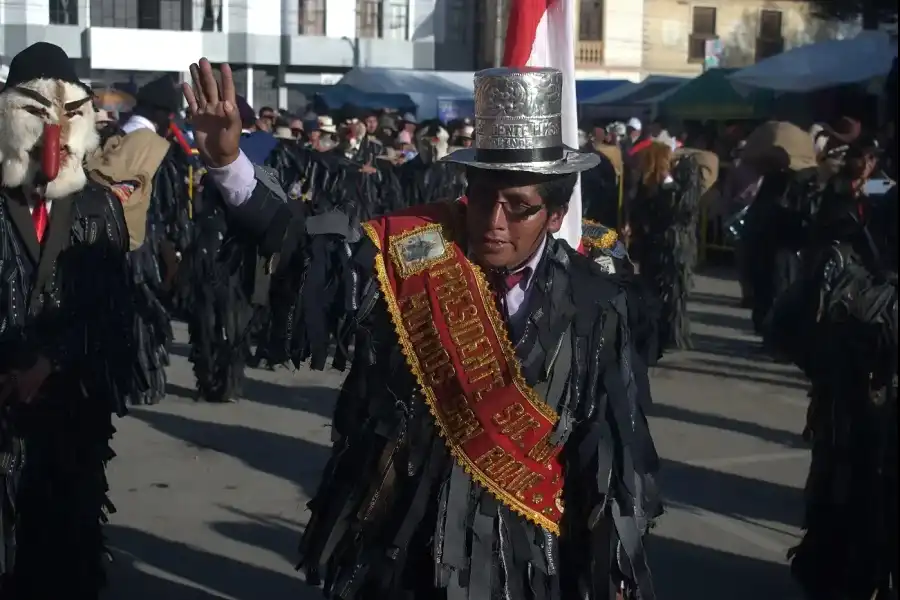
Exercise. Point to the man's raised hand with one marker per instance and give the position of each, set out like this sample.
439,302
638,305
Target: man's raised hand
214,114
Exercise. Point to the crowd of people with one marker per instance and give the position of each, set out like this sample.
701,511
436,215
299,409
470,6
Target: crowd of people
490,439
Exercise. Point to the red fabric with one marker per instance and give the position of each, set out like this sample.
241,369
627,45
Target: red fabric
458,349
524,16
641,145
180,138
40,217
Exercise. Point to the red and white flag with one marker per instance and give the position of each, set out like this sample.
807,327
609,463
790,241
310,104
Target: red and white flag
541,33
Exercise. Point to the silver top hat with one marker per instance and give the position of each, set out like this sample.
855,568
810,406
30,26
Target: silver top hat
518,124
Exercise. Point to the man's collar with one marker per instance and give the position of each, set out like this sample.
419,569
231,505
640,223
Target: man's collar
532,264
136,122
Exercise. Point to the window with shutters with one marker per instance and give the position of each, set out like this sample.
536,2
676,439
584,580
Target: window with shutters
368,18
770,40
703,28
311,17
590,21
64,12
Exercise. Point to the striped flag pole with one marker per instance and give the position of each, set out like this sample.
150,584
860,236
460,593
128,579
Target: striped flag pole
541,33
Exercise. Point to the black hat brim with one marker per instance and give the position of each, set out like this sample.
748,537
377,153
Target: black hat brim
572,161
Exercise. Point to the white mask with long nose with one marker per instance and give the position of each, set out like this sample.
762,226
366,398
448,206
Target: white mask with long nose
47,127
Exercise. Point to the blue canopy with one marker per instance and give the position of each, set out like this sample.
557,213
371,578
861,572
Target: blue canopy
589,88
337,96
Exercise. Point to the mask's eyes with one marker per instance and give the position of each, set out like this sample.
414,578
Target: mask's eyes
72,114
36,111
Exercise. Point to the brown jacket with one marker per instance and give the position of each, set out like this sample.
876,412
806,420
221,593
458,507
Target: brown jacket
126,165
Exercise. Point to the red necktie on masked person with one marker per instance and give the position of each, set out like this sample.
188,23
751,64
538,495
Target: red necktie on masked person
41,218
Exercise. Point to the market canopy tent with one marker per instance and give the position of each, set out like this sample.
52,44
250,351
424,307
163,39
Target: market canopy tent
427,89
823,65
586,89
711,96
656,83
338,96
634,100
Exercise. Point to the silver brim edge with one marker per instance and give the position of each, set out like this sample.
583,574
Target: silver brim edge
573,161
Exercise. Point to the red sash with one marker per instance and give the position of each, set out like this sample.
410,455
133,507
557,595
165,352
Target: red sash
456,344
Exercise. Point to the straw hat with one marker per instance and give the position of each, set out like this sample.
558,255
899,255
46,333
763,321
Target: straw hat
326,124
284,133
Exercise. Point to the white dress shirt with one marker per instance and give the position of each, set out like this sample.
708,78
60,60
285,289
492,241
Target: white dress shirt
47,203
516,297
136,122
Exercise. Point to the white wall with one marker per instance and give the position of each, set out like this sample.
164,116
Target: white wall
623,34
19,12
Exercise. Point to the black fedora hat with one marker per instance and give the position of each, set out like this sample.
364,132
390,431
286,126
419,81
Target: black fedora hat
42,60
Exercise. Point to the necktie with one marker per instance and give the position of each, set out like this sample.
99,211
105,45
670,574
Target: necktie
41,218
502,284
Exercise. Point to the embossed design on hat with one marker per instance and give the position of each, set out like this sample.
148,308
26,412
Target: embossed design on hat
518,124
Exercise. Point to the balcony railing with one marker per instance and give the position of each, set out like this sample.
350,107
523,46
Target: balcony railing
588,55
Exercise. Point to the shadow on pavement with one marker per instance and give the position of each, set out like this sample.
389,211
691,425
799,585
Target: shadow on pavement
227,577
270,532
721,374
714,299
684,571
173,389
729,347
735,322
290,458
180,349
731,495
771,368
318,400
787,439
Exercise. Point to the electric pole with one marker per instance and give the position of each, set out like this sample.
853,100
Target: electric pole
499,31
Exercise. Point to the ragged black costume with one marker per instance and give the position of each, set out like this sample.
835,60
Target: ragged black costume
838,322
396,515
64,302
229,287
167,221
664,217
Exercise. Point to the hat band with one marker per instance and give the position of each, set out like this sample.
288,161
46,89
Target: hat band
519,156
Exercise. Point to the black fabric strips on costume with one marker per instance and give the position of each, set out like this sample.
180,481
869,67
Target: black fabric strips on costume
69,300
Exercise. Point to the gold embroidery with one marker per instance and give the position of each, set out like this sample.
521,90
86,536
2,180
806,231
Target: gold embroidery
604,242
416,250
510,498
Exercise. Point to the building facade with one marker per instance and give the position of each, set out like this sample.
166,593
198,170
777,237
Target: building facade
630,39
679,34
270,43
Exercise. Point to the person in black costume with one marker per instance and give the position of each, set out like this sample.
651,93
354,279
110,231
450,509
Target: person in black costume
223,273
777,222
65,344
155,256
838,322
663,218
397,514
424,179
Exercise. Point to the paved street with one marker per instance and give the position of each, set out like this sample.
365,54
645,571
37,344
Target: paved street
211,498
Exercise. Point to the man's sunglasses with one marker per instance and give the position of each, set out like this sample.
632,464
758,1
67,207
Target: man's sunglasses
514,212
